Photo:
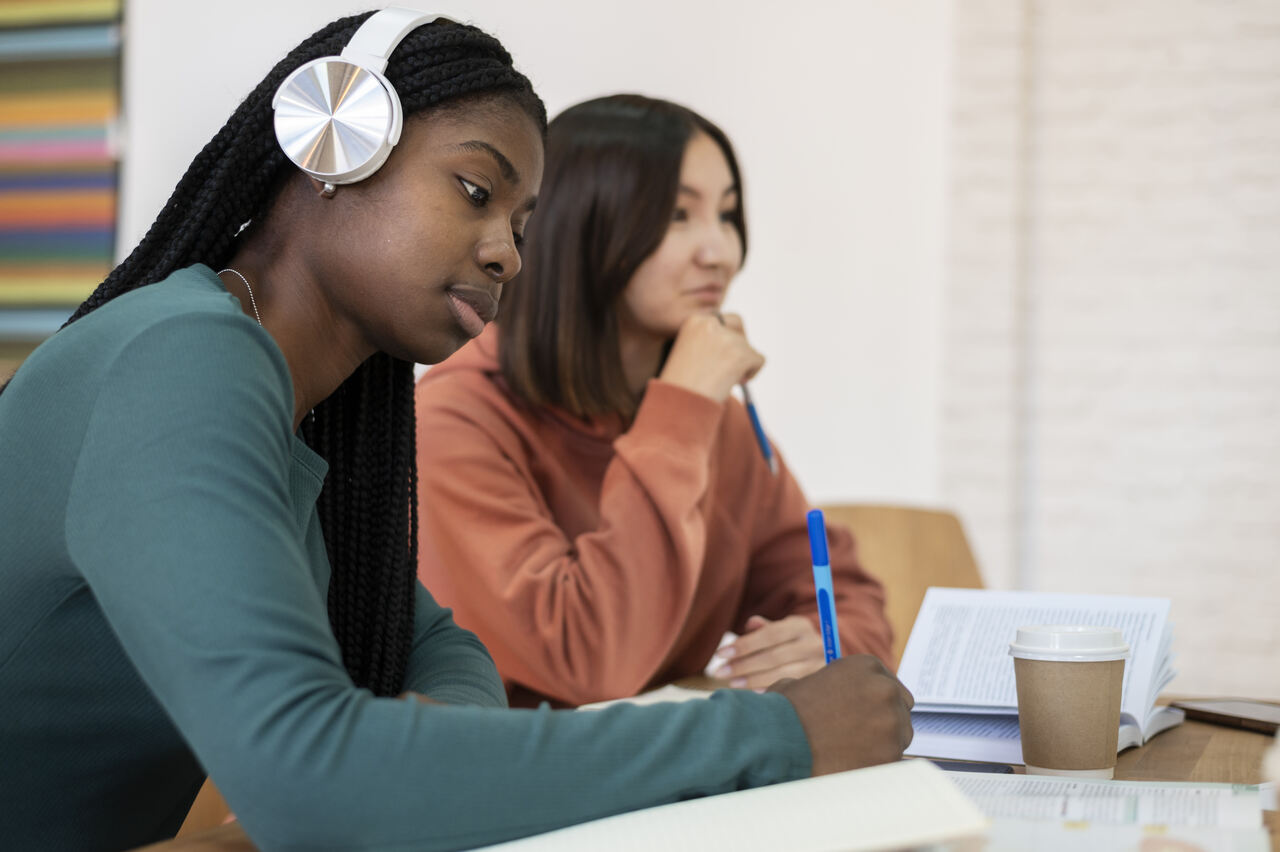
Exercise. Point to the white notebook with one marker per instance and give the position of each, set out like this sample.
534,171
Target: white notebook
895,806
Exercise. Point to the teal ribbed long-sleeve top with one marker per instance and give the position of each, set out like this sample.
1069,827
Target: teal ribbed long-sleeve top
163,584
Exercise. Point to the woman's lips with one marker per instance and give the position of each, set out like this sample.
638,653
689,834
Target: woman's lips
712,294
472,307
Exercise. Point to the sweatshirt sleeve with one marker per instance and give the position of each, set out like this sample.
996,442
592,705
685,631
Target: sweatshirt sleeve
178,518
780,581
586,617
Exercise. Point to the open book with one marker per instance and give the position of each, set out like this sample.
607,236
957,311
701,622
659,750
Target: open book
957,665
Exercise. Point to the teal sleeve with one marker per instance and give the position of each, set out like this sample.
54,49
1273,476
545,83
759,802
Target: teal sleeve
180,521
448,663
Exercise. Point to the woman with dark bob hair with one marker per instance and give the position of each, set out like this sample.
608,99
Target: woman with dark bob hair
602,513
208,521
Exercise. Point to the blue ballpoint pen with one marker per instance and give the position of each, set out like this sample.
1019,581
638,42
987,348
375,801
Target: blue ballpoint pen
822,583
761,439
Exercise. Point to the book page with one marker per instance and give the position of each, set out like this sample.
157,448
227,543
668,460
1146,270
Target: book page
1020,835
958,651
966,736
1113,802
898,805
996,737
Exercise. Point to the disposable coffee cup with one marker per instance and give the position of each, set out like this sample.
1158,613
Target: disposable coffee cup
1069,681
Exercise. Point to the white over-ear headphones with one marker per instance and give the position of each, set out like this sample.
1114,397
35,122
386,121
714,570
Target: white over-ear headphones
337,118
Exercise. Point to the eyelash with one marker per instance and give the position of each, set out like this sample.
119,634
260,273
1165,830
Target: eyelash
477,195
681,215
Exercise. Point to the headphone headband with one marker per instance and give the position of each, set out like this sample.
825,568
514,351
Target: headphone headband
337,118
381,34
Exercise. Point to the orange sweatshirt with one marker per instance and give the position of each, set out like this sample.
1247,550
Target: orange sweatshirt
594,562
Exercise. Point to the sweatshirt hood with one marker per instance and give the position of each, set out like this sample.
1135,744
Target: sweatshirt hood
480,357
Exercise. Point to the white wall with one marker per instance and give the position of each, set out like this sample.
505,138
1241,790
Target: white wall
839,114
1112,391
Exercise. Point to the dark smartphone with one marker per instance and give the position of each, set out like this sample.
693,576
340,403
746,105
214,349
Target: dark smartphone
1234,712
969,766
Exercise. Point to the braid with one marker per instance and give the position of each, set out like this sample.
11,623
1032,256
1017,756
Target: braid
366,429
369,515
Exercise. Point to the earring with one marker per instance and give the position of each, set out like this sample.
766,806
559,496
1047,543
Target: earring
328,190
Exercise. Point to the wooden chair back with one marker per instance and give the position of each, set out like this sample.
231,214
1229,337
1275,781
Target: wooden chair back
908,550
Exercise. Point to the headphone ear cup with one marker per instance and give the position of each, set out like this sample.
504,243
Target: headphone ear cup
337,120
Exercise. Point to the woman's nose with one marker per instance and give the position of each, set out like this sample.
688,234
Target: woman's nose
499,257
718,244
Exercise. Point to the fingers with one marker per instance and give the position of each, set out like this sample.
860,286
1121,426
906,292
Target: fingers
786,671
791,659
755,362
908,700
710,355
790,647
908,733
905,730
766,634
854,712
768,663
733,322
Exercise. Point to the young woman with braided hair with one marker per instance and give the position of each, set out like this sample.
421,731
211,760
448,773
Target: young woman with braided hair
181,595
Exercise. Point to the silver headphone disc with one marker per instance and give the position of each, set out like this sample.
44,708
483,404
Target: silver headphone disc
332,116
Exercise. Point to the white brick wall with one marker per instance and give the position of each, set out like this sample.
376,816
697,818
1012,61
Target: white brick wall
983,316
1111,418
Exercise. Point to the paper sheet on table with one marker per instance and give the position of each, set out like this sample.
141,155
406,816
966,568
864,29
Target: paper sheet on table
1267,793
1020,835
1050,814
670,692
1113,802
895,806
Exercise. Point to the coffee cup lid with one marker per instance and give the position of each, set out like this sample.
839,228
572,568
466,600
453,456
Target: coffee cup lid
1069,642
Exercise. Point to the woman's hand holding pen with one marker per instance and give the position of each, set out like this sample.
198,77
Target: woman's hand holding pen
770,650
854,712
711,355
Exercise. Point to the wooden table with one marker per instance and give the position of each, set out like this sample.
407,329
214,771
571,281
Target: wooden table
1192,751
1197,751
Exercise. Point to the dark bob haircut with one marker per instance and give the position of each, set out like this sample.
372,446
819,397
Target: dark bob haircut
608,194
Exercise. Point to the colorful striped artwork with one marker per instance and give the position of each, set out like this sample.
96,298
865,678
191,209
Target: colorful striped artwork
59,120
36,12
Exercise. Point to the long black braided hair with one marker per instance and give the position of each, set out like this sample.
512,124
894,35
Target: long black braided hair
365,430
